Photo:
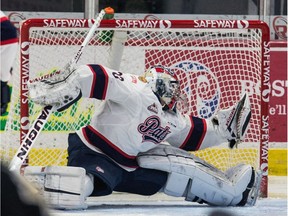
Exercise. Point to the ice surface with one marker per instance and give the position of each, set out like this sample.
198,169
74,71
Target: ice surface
265,207
160,204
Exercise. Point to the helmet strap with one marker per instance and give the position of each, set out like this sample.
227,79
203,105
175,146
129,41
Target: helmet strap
171,107
166,107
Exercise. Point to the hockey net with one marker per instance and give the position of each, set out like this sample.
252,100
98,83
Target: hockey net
215,61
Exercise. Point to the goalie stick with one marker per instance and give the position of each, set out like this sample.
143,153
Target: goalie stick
39,123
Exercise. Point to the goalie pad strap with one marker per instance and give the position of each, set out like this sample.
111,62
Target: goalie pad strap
62,187
193,178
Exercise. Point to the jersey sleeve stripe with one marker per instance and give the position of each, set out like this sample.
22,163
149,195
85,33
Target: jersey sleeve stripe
4,18
107,147
196,134
9,41
8,33
188,136
100,82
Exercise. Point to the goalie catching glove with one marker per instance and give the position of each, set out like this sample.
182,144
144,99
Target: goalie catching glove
60,89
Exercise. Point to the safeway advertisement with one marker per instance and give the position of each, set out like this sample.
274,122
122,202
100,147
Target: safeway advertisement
278,98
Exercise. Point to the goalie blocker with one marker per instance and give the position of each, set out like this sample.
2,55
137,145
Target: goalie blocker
188,177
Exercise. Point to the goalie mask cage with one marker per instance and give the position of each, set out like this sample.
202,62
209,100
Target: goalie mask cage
215,61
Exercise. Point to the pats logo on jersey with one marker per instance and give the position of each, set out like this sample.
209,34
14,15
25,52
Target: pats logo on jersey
199,87
152,131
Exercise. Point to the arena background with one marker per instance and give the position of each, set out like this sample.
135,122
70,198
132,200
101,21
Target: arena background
273,12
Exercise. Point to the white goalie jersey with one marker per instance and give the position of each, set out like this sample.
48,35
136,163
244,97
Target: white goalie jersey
133,120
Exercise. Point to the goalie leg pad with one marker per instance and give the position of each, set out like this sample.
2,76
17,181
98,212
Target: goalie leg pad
62,187
195,179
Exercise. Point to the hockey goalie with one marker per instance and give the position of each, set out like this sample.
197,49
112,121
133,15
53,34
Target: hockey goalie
137,142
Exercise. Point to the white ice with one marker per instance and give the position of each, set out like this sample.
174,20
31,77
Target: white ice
119,204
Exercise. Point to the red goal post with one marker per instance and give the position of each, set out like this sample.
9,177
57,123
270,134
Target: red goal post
215,60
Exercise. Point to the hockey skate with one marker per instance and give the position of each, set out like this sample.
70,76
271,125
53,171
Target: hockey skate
251,193
60,89
233,122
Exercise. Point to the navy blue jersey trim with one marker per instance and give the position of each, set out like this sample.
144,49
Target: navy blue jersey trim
196,134
97,140
8,31
100,83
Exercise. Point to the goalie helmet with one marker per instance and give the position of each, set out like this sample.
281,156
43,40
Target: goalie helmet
164,84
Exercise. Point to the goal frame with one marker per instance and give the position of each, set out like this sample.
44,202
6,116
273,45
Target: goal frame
146,24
